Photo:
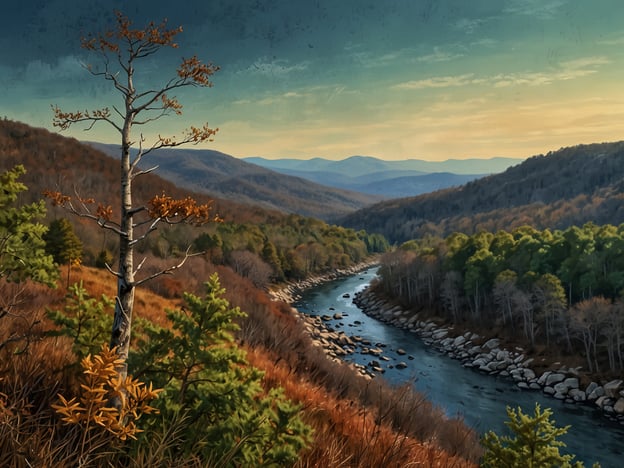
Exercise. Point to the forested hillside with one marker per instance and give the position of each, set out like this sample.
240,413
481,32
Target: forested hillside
263,245
223,176
562,188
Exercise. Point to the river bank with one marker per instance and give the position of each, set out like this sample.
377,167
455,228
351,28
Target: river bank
486,355
483,354
343,331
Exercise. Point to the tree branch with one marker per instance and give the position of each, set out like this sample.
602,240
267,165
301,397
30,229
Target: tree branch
169,270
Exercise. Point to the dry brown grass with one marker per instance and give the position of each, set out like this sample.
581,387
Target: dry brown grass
350,433
357,422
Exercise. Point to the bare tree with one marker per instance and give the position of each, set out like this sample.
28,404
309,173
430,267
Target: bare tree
587,318
120,50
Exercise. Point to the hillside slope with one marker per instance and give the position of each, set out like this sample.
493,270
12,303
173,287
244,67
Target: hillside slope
54,162
223,176
570,186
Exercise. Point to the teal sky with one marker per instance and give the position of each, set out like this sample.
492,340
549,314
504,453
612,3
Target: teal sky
395,79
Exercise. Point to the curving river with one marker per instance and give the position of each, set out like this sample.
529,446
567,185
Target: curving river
480,399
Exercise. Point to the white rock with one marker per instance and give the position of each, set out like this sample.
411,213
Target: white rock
612,388
458,341
618,407
595,393
554,378
491,344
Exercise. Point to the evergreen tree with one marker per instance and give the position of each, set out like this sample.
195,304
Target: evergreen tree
230,419
22,249
535,443
62,242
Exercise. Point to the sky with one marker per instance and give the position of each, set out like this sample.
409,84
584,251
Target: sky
393,79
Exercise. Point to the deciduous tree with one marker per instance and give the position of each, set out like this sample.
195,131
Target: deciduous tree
121,50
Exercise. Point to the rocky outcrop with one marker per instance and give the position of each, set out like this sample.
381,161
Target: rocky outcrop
487,356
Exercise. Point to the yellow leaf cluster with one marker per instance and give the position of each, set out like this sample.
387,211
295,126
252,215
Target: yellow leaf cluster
101,384
198,135
171,103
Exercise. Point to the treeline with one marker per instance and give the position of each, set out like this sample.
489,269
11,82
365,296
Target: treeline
288,248
555,288
567,187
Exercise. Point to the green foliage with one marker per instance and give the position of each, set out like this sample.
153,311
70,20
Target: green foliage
62,242
534,443
22,249
207,381
86,320
294,246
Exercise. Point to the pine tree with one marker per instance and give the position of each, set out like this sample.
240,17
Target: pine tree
22,254
63,244
232,421
535,443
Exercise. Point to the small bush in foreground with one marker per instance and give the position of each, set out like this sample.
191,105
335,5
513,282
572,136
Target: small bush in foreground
535,444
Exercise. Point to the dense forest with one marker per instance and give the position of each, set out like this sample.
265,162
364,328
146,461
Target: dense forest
563,188
559,288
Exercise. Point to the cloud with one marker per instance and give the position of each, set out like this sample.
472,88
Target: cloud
277,68
439,82
66,67
468,25
567,70
542,9
438,56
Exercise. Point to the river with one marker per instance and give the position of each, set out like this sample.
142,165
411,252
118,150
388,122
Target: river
479,399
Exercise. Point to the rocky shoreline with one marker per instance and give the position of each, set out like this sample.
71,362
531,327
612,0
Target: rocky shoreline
472,350
486,355
291,291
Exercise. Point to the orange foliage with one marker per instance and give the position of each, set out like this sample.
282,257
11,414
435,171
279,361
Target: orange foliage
345,430
151,35
187,209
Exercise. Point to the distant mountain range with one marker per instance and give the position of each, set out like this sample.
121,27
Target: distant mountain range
391,179
567,187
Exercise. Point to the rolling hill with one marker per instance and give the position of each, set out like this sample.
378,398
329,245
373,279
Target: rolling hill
570,186
223,176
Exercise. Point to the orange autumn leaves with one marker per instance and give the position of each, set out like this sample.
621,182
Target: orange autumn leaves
186,209
162,207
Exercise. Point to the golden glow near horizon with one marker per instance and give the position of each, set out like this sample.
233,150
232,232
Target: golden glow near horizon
421,80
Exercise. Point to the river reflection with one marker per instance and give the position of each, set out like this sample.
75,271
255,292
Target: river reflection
480,399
